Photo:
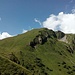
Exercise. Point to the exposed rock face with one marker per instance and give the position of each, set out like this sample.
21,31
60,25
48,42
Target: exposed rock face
60,34
42,37
40,40
64,39
37,40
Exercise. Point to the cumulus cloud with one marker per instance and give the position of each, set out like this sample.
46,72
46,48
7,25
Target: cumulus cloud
38,21
4,35
62,21
24,31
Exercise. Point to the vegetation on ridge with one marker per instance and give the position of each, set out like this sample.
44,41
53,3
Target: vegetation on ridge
38,52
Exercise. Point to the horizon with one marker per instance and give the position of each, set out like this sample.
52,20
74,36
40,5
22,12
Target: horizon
19,16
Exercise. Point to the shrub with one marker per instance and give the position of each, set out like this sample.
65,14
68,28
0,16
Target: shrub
14,58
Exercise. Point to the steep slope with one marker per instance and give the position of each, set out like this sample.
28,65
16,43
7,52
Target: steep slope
7,67
38,52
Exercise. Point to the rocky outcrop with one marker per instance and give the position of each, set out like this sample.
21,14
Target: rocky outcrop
64,39
37,40
42,37
59,34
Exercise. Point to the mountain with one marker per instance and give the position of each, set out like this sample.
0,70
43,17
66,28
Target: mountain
38,52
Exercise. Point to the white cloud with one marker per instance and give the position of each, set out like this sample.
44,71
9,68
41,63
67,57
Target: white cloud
37,21
4,35
24,31
62,21
73,10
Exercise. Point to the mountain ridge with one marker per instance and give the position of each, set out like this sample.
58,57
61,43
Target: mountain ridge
40,52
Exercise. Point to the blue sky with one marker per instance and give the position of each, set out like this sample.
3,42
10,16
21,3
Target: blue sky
19,15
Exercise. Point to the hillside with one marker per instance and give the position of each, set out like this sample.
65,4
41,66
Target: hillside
38,52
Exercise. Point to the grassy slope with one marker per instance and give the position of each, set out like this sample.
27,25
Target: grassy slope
8,67
51,58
